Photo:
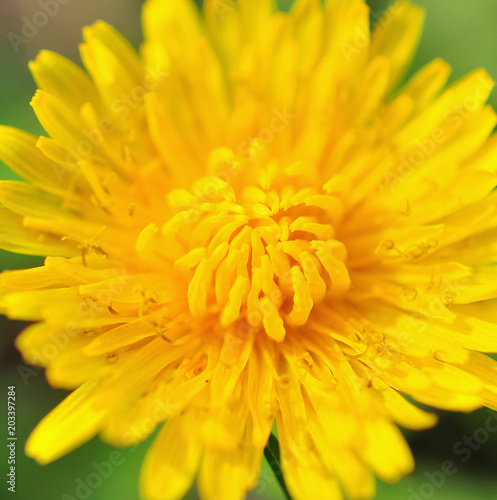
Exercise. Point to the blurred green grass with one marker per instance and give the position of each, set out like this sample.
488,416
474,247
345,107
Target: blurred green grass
463,33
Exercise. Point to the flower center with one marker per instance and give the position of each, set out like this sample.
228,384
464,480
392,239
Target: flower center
266,256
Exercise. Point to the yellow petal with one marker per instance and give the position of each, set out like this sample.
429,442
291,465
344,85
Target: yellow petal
396,37
76,420
18,150
62,78
171,463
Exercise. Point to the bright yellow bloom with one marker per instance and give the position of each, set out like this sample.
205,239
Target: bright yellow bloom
245,222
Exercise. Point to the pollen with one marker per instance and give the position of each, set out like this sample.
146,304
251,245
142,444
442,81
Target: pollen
264,257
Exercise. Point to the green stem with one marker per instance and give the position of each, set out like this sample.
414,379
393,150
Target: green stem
272,454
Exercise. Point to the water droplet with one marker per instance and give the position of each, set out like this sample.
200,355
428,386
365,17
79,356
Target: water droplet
112,358
409,294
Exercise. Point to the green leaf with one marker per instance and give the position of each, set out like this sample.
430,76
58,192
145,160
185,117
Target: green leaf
272,454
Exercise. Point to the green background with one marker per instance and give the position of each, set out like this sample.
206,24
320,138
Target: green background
463,32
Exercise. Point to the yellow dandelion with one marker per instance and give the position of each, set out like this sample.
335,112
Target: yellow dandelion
247,222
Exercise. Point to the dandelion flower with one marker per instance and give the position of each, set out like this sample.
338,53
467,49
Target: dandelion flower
248,221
